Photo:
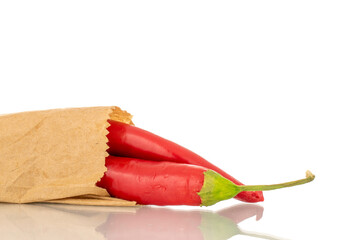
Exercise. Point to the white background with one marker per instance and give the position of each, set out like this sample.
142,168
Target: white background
263,89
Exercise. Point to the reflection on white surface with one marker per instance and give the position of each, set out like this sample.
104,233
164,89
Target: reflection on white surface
55,221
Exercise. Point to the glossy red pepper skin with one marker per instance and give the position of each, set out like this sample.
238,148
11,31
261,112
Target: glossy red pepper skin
129,141
149,182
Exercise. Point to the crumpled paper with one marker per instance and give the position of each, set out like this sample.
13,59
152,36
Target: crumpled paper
56,155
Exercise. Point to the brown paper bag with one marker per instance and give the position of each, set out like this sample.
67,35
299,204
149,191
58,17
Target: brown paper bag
56,155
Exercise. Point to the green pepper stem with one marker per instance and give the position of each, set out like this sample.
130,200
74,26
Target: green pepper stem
217,188
309,178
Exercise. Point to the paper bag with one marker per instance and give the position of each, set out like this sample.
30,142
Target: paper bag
56,155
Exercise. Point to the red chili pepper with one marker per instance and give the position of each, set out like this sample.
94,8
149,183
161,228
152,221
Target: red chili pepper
168,183
158,183
129,141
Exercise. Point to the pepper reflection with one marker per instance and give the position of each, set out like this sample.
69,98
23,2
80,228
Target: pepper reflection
165,223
